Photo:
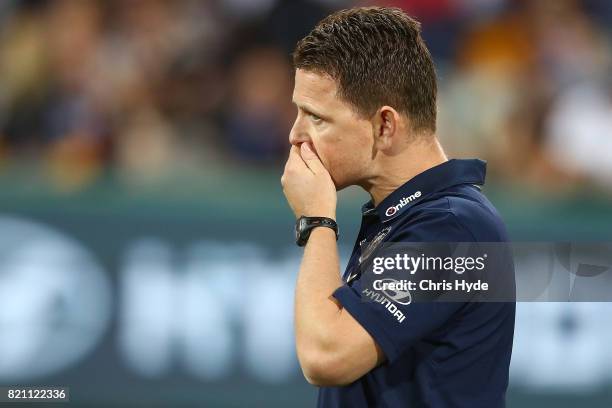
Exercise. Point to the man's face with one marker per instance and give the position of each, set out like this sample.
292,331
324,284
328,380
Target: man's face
342,140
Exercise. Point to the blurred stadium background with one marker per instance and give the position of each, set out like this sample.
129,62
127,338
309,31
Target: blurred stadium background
146,251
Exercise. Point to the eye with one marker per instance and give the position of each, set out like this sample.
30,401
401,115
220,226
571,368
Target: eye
315,118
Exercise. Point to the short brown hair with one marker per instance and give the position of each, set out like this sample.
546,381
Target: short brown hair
377,56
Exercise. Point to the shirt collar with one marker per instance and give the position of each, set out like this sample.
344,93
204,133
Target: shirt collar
437,178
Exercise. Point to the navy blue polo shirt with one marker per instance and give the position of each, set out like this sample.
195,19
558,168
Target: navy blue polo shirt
450,354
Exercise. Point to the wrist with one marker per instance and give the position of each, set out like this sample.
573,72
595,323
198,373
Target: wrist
327,213
323,231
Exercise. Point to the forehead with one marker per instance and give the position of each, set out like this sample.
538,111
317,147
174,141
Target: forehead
315,89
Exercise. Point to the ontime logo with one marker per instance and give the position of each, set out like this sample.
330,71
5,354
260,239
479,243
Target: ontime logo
395,208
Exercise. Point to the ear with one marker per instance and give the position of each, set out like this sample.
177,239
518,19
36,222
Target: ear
385,126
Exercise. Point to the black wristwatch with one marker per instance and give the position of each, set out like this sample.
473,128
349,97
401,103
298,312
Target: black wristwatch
304,225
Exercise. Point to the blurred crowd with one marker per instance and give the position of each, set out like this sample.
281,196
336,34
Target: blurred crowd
145,90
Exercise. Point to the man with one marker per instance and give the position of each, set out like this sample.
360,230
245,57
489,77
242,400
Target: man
365,89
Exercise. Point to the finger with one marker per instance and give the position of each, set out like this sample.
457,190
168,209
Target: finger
295,161
311,159
294,151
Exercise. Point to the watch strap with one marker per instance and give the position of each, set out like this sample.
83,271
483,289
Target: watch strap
305,225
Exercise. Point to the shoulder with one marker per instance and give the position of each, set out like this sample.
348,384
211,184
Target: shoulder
460,214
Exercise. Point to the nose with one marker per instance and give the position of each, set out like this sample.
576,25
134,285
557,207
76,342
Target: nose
298,134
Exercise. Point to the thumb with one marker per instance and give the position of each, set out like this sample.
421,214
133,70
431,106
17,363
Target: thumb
310,158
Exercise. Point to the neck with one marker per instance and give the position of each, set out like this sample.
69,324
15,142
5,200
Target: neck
394,170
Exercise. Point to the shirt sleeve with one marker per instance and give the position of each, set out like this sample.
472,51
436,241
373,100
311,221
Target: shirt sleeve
395,327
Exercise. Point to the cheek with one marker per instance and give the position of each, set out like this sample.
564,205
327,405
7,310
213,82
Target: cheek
339,159
343,151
